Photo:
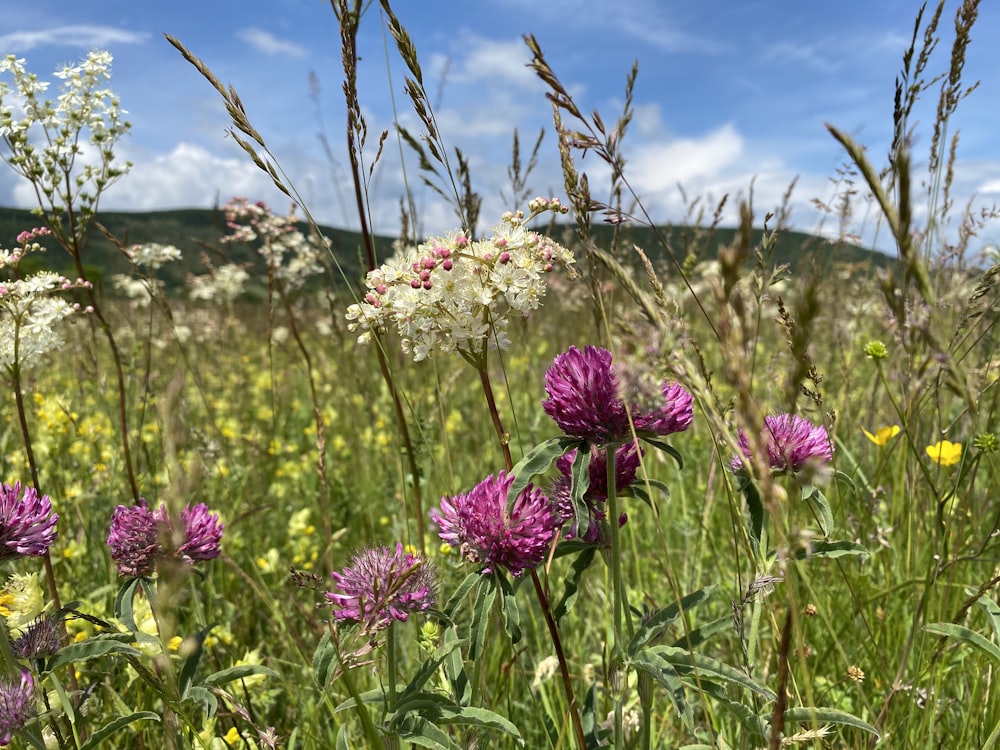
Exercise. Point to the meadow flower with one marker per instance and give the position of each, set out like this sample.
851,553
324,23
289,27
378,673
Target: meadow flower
585,400
790,441
945,452
381,585
137,537
41,638
882,435
21,600
452,294
17,704
27,523
627,458
486,531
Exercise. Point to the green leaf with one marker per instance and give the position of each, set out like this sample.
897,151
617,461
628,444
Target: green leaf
421,732
94,740
756,509
454,669
376,695
486,593
451,644
658,621
342,738
324,661
966,635
203,697
190,666
538,461
572,583
666,448
459,594
991,609
478,717
686,662
701,634
239,672
580,483
641,490
816,716
508,607
654,665
123,604
830,549
753,725
821,506
92,648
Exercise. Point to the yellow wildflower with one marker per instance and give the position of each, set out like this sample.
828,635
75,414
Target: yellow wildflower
882,435
945,452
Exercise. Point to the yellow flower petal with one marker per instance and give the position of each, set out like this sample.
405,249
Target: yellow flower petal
883,435
945,452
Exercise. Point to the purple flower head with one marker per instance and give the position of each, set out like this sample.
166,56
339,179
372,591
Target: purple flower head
27,523
585,400
41,638
202,534
381,585
481,526
17,704
627,459
134,539
137,537
790,440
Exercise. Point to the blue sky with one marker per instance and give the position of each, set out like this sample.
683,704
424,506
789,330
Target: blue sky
728,94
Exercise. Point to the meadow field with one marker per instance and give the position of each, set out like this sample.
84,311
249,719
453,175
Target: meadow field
525,484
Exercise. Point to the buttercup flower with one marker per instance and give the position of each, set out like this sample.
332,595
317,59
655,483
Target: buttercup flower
137,537
27,523
790,441
17,704
882,435
480,525
381,585
627,459
21,600
585,400
945,452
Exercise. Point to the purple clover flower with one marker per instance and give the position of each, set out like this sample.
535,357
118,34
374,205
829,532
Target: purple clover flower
381,585
480,525
790,441
27,523
627,459
137,536
17,704
585,400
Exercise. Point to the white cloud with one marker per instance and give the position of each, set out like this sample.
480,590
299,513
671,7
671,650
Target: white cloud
269,44
658,166
499,63
81,35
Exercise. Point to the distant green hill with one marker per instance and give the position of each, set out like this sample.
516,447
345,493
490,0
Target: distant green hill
197,233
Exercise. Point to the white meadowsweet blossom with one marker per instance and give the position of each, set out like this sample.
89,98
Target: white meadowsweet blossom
291,256
65,147
451,294
223,285
153,255
30,308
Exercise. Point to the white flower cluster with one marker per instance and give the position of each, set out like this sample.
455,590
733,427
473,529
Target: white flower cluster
291,256
152,255
223,285
85,119
451,294
30,308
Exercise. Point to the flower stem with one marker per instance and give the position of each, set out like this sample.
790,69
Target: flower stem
618,675
543,600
